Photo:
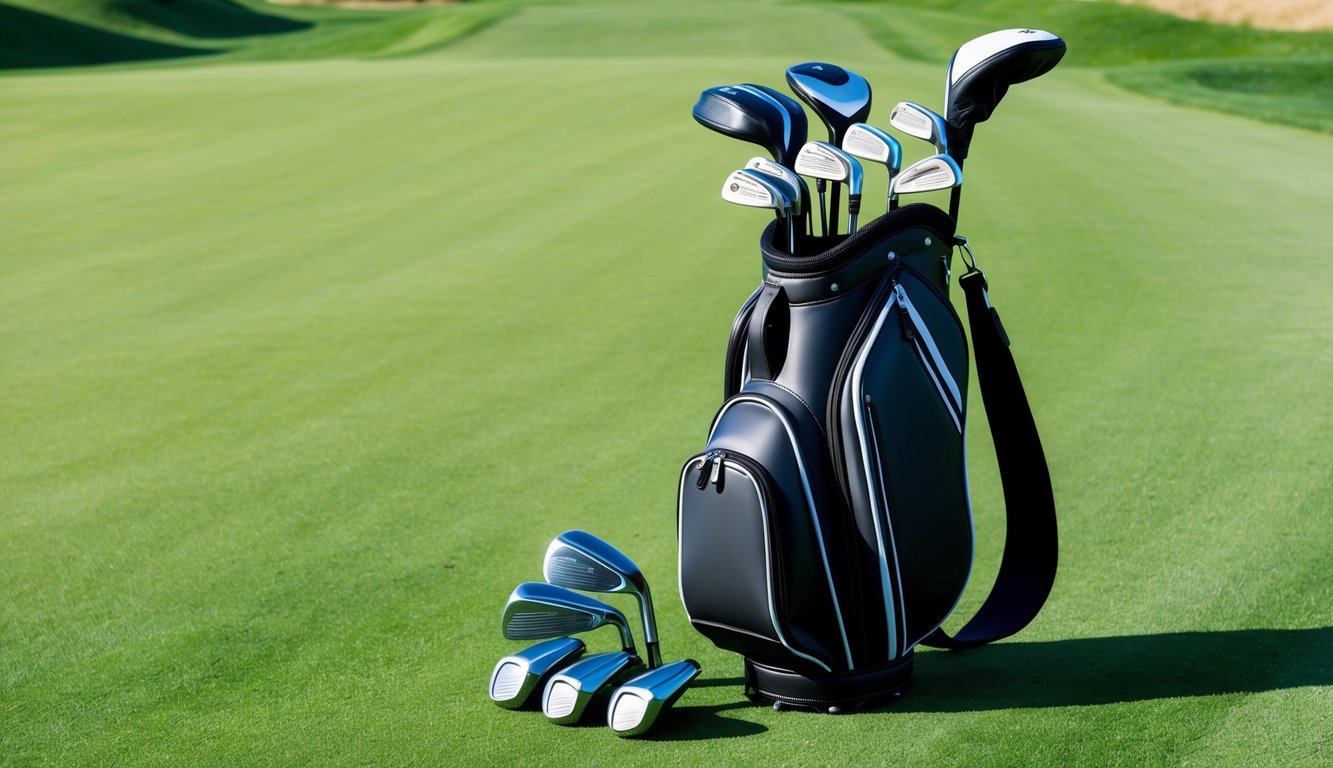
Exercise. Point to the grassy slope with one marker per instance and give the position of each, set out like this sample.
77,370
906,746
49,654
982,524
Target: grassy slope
292,408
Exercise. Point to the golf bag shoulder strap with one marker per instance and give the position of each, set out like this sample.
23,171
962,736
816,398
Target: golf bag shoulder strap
1027,570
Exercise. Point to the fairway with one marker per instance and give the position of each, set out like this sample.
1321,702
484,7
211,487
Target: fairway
309,347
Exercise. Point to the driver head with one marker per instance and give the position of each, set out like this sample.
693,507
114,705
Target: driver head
839,96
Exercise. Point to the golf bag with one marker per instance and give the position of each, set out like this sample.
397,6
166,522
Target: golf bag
825,530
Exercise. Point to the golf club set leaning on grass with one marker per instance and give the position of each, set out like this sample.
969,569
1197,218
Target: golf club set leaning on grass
569,684
825,529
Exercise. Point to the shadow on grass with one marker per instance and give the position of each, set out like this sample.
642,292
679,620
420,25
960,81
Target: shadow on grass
30,39
1110,670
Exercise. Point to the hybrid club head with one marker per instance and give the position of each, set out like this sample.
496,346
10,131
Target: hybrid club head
981,71
821,160
636,705
839,97
870,143
931,174
580,560
569,691
515,678
925,124
753,189
537,611
755,114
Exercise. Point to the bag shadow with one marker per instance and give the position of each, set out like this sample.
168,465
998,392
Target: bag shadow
1109,670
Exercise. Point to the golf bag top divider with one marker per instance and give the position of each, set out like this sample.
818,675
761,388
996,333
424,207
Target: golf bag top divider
825,530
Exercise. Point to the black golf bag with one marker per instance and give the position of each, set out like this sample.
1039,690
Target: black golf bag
825,530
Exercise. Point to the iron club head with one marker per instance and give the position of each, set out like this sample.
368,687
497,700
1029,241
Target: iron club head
636,705
516,677
925,124
569,692
580,560
821,160
537,611
928,175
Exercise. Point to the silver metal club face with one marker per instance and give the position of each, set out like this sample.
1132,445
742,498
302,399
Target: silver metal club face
636,705
821,160
580,560
515,678
537,611
922,123
751,188
928,175
569,691
871,143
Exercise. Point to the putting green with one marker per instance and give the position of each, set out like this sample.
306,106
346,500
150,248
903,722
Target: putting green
304,363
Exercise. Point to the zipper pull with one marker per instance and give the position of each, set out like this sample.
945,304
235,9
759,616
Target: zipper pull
900,294
716,478
702,482
711,470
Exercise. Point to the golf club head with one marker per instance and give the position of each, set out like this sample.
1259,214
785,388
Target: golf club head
918,121
930,174
580,560
516,677
755,114
792,183
870,143
636,705
748,187
537,611
981,71
822,160
838,96
570,690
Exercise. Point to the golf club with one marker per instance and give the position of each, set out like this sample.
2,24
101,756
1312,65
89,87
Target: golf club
755,114
800,194
580,560
753,189
930,174
980,73
870,143
636,705
839,97
537,611
821,160
915,120
569,691
516,677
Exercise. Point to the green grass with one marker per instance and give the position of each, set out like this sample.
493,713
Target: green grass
302,363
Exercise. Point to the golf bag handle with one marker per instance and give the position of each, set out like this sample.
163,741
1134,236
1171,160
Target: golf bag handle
770,326
1027,570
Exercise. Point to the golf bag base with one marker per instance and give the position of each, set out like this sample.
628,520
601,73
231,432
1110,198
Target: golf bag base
831,692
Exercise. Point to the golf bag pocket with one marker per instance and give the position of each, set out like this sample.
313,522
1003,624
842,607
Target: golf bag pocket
755,577
900,422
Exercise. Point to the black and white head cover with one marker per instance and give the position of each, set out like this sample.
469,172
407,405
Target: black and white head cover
981,72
